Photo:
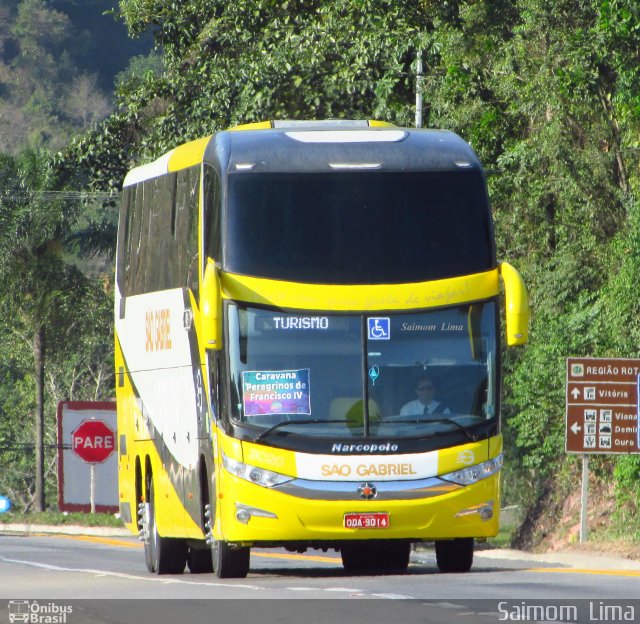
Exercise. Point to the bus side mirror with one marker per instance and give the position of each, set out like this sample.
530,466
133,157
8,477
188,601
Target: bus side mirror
210,307
517,304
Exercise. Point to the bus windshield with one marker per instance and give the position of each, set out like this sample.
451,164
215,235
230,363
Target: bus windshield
423,374
358,228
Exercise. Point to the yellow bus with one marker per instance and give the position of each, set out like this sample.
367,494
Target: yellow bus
307,334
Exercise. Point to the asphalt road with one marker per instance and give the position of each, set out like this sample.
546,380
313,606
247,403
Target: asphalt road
104,579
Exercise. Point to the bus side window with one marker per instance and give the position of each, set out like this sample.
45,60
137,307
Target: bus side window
143,240
186,228
133,269
124,235
162,260
155,236
212,212
150,275
191,248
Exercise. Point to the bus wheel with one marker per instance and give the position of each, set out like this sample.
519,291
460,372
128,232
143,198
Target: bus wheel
163,555
455,555
357,557
228,561
199,560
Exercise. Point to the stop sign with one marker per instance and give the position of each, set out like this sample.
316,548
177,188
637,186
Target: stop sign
93,441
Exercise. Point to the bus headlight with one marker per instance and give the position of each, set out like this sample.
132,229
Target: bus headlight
259,476
472,474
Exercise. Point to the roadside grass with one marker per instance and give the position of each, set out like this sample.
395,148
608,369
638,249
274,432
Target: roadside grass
58,518
502,540
510,518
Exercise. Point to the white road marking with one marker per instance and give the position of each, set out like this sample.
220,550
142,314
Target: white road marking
178,581
152,579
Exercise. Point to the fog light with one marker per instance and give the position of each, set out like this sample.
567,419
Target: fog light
243,515
484,510
486,513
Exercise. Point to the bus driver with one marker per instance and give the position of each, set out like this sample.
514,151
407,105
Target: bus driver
425,404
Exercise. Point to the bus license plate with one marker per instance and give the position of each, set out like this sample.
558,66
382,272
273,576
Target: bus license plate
377,520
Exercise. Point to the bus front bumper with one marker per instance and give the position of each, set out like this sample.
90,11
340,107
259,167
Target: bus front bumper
301,512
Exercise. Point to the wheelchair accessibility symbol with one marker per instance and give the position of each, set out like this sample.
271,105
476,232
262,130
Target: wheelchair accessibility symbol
379,328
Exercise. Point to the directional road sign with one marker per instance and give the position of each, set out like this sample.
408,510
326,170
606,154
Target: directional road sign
602,405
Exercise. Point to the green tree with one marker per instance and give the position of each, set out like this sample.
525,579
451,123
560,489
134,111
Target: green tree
227,63
40,50
43,294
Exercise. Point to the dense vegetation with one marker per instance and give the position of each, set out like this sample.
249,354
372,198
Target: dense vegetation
58,64
548,94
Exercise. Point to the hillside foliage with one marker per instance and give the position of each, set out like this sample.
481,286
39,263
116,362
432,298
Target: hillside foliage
58,62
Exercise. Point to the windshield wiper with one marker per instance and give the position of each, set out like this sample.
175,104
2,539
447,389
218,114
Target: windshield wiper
284,423
425,421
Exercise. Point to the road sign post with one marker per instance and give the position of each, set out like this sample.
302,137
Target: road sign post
602,410
93,441
92,489
584,499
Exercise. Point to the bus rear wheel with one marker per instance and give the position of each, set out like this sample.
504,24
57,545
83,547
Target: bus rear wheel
455,555
380,556
163,555
230,561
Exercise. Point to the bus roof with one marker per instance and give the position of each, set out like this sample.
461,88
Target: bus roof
315,149
317,146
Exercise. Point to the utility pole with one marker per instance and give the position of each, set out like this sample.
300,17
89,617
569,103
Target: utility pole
38,355
419,89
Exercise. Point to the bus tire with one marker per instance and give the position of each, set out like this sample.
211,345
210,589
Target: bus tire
455,555
163,555
356,557
229,561
199,560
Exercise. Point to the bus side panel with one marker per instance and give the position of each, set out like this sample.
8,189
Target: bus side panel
160,402
129,469
140,460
